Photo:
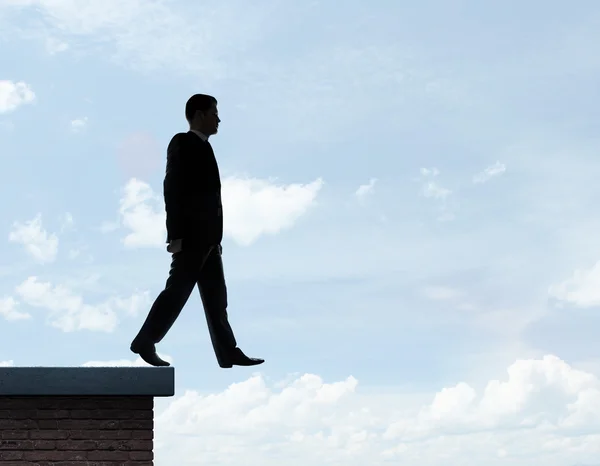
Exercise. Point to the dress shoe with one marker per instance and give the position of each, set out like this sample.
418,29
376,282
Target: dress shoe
238,358
148,353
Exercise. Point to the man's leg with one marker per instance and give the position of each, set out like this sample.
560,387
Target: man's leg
213,291
183,275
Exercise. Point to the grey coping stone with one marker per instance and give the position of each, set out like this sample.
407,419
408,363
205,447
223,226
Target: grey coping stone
87,381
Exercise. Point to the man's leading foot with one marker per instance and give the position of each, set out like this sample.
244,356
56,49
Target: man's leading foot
238,358
148,354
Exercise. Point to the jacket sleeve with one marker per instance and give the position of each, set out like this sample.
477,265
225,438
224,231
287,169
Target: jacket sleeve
174,186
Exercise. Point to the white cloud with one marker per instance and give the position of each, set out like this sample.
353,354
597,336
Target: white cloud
9,363
67,222
434,190
429,172
365,189
80,251
54,46
139,362
320,101
442,293
132,305
77,253
14,94
493,170
582,289
543,411
69,312
431,188
313,87
540,393
252,208
132,32
78,124
8,310
142,214
41,245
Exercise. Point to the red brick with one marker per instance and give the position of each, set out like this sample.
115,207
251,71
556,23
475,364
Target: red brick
49,434
54,455
137,424
141,455
100,434
7,402
142,434
15,434
10,456
44,444
17,424
99,455
129,445
47,424
143,414
80,413
76,424
16,444
18,414
102,414
80,445
85,424
86,463
76,431
82,402
142,445
52,414
72,463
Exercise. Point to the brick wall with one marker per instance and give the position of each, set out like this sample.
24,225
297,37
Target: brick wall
76,430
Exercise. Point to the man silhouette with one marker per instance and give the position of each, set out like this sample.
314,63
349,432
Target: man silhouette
192,193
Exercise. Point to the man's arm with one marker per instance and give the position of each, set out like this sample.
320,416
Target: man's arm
174,185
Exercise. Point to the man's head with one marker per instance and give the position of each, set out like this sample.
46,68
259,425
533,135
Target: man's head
202,114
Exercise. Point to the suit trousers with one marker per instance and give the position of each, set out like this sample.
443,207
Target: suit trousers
200,266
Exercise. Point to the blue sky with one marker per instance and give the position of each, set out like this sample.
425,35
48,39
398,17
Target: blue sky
410,199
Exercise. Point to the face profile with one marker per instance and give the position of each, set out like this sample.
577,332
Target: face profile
212,119
207,122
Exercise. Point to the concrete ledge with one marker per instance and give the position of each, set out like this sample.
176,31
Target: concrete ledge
87,381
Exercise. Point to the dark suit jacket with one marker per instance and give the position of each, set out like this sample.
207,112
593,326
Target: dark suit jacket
192,192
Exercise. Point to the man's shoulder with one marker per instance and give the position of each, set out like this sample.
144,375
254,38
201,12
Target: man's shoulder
181,138
179,141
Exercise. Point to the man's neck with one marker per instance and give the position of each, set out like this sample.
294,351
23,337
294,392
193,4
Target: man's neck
200,134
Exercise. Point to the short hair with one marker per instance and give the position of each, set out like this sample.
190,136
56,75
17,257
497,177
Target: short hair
198,103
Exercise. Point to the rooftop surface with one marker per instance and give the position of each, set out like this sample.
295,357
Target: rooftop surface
87,381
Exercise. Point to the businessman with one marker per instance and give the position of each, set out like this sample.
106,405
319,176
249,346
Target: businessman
192,193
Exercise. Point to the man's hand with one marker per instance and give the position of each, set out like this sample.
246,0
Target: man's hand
175,246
